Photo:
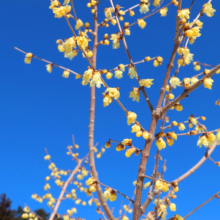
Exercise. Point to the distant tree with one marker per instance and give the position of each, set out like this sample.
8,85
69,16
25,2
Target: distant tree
5,208
42,213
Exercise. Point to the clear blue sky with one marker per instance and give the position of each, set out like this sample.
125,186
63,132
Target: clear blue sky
41,110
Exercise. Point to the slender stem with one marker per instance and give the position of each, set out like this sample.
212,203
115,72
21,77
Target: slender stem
64,189
117,192
214,196
46,61
91,125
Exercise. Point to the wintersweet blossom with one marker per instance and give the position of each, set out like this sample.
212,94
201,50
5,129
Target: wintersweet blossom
82,41
146,82
156,2
161,144
172,207
106,99
49,68
135,128
121,67
202,141
144,8
175,81
79,24
108,13
208,10
28,57
131,117
87,76
132,72
142,24
115,41
113,92
207,82
184,13
127,142
61,11
66,74
194,80
181,126
96,80
118,74
135,95
161,185
163,11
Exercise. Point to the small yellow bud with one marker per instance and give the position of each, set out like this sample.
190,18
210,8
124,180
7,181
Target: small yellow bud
145,135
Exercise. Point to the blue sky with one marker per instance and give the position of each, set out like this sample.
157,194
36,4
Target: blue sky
41,110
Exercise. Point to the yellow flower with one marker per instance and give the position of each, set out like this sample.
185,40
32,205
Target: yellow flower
142,24
207,82
115,41
121,67
184,13
135,128
131,13
108,13
131,117
113,92
49,68
202,141
135,95
172,135
139,133
145,135
125,218
82,41
156,2
194,80
26,209
79,24
47,157
54,4
172,207
177,217
146,82
113,196
181,126
132,72
170,141
108,75
120,147
61,11
107,99
47,186
163,11
96,80
28,57
66,74
197,67
108,144
66,2
158,61
127,142
130,151
210,137
174,82
161,144
118,74
208,10
24,215
144,8
161,185
147,184
106,194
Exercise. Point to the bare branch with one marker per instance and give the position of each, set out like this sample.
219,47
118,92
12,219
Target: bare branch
214,196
